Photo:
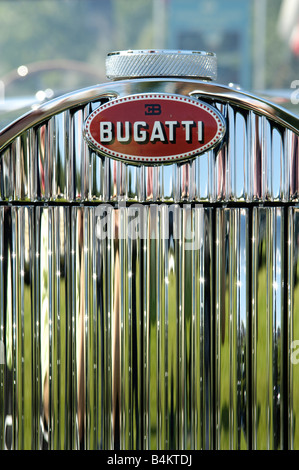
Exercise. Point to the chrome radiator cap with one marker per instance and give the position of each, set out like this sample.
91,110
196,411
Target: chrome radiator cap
161,63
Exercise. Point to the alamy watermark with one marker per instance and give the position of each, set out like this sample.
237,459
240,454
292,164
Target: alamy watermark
138,221
295,352
295,93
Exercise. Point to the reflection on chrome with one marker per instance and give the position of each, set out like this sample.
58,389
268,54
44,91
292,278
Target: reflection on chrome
50,161
114,348
232,329
137,342
268,327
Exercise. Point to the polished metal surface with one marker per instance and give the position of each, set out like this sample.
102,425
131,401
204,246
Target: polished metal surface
161,63
100,93
269,330
149,307
232,338
293,328
51,161
144,342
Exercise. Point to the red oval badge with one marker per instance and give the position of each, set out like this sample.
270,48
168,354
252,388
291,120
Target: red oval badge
154,128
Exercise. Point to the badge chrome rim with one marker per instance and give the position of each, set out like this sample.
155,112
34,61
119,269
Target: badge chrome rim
149,159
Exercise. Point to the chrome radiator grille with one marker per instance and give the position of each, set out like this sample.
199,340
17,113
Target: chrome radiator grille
178,337
52,163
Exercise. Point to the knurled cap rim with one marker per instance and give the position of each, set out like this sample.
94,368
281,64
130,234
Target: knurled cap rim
161,63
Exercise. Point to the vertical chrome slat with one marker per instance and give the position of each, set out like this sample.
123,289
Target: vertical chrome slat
39,422
243,330
17,176
67,169
124,330
60,153
90,360
78,238
163,331
85,159
44,326
279,166
146,321
134,231
51,156
174,305
241,156
3,345
85,364
279,327
266,164
268,328
108,178
230,174
117,181
171,328
8,404
16,370
256,165
286,156
219,163
120,332
64,282
192,188
110,305
259,329
91,325
293,146
168,183
103,304
96,177
52,340
293,328
115,332
25,326
98,288
77,151
203,182
232,322
22,327
196,428
194,333
185,182
42,157
6,174
189,226
153,330
267,171
198,347
52,328
207,307
60,330
23,168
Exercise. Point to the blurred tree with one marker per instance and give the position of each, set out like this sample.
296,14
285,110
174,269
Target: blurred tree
280,68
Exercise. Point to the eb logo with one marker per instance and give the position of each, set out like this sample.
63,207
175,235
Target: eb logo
152,109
